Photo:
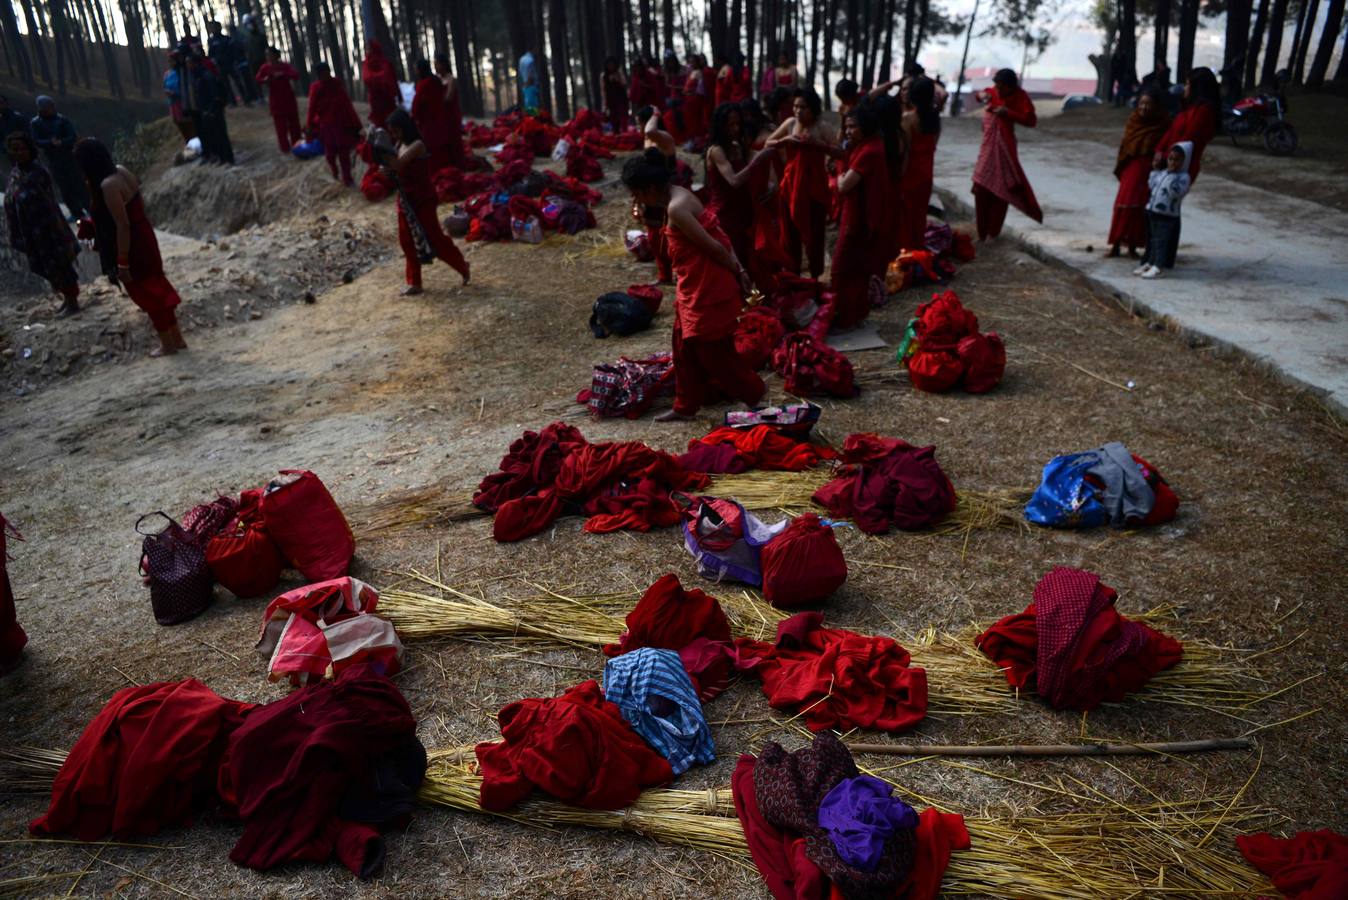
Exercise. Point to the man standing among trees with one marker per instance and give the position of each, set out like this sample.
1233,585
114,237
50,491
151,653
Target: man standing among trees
55,136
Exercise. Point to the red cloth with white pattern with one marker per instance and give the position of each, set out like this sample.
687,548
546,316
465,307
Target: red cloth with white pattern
321,629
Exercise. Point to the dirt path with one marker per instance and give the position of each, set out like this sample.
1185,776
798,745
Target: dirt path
378,393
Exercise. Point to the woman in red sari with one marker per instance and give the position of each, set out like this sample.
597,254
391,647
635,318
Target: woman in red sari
1196,123
712,283
453,110
697,91
922,124
126,242
1141,136
412,169
428,112
730,173
999,181
381,83
334,118
807,143
864,230
615,95
285,112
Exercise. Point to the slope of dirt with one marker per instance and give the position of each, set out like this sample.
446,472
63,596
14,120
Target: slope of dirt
379,393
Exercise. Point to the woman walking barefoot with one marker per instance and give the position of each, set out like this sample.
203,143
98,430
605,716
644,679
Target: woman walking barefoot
412,168
37,229
711,285
126,243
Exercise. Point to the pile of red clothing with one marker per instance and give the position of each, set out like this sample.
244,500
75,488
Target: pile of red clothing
374,185
943,349
810,367
321,629
1313,865
315,775
728,450
791,806
480,135
582,161
615,485
1075,646
577,748
453,185
757,333
888,483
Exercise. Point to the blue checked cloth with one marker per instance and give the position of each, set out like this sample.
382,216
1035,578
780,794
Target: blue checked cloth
657,698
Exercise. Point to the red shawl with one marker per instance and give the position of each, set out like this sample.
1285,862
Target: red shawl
1197,124
428,111
998,168
330,107
862,231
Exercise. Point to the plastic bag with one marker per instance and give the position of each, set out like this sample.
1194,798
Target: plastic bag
726,539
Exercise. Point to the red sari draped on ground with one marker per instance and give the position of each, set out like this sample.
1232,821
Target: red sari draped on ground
864,235
915,190
706,307
415,181
428,111
1141,137
999,181
381,84
148,287
1197,124
805,202
285,112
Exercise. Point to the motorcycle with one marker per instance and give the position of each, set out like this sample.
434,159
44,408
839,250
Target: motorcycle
1262,114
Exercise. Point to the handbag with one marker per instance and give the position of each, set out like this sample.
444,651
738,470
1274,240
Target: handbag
175,563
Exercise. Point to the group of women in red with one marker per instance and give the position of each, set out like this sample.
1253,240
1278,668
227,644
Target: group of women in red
684,96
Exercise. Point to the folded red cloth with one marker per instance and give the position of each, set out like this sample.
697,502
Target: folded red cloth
1079,649
888,484
764,447
1313,865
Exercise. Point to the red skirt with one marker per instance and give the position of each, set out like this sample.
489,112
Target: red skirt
157,297
1129,225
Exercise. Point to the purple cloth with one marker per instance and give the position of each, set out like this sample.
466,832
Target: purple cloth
860,815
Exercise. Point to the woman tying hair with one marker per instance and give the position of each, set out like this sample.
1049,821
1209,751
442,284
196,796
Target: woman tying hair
864,232
999,181
37,228
654,137
922,124
126,243
711,285
806,141
412,169
1141,136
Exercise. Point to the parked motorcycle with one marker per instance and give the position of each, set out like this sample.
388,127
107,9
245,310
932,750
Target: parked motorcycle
1262,114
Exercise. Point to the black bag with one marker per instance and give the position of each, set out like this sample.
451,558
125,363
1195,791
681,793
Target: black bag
621,314
180,579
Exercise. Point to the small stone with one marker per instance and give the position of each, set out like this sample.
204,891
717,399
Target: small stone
254,315
7,353
74,354
265,429
97,349
309,297
1090,248
348,276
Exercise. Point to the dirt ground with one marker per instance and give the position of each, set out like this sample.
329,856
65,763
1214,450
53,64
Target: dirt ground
1317,172
379,393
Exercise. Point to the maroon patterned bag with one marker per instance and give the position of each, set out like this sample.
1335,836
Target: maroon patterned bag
175,563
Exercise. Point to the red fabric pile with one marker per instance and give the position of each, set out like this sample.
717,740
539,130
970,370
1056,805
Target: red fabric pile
322,629
1075,645
1313,865
582,161
577,748
757,334
734,450
1167,501
803,564
480,135
790,874
838,678
304,773
811,367
615,485
949,349
374,185
148,761
888,484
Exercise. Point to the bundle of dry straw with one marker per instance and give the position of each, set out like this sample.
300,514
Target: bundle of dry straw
962,681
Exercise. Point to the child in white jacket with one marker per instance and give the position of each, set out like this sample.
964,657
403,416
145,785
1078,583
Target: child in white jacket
1168,187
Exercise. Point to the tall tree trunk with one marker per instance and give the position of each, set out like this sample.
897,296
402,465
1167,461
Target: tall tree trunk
298,57
1188,32
1305,30
614,45
1277,24
58,34
544,79
105,45
812,67
314,46
1256,42
35,38
1160,48
1237,45
1341,74
667,22
750,21
909,29
923,14
1328,38
830,18
375,25
646,25
341,64
557,45
1128,36
464,76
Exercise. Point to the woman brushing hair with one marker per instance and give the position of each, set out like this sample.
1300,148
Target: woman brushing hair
711,284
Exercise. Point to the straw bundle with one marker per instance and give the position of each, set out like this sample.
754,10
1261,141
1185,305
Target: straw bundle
962,681
424,507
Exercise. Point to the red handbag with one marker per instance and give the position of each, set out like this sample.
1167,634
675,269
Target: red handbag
175,563
244,560
300,515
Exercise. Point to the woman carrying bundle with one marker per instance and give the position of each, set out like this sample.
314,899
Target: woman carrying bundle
865,233
999,181
37,228
412,169
1141,136
807,143
126,242
922,125
711,285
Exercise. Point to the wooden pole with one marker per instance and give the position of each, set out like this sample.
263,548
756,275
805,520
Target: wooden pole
1101,749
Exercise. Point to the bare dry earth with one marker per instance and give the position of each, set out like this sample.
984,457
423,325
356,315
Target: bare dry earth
378,393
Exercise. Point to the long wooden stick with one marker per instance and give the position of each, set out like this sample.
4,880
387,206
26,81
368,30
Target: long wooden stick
1054,749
